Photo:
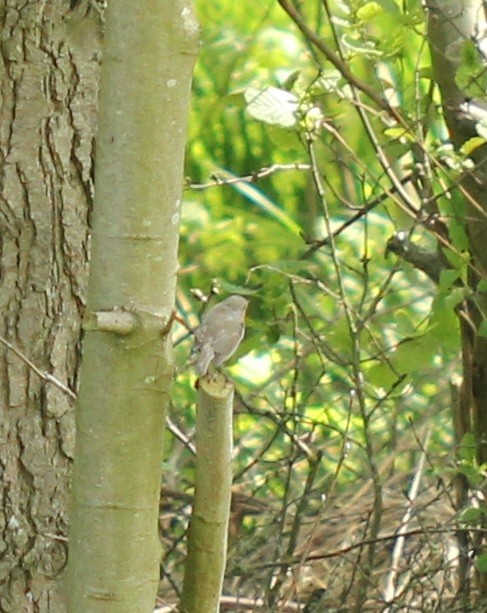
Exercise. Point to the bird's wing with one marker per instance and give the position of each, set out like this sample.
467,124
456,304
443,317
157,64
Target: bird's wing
199,335
206,355
227,345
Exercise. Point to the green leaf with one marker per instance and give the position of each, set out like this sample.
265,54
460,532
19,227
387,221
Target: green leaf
273,334
414,354
272,105
290,81
448,278
457,295
369,11
456,260
472,515
361,47
399,133
481,563
483,329
404,322
444,326
459,237
473,143
472,473
470,76
381,375
467,449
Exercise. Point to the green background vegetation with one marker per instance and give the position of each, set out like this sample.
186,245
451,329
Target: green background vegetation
322,323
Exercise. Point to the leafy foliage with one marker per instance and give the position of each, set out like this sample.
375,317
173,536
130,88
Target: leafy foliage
350,352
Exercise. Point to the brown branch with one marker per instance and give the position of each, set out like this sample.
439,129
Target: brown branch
339,64
427,261
380,539
360,213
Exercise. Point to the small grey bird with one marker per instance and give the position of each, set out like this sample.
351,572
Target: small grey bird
220,333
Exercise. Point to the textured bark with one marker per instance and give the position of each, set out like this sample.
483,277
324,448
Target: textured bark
48,86
450,25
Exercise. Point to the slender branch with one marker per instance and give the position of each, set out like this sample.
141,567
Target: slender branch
339,64
48,378
391,588
366,542
349,222
179,434
41,374
357,392
427,261
253,177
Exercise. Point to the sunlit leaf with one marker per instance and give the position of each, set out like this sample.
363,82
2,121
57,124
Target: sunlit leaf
272,105
399,133
369,11
477,141
414,354
381,375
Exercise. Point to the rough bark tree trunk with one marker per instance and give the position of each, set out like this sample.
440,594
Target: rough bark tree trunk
49,83
451,25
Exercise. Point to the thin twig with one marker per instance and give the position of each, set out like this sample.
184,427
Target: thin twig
253,177
391,588
351,220
48,378
45,376
179,434
339,64
363,543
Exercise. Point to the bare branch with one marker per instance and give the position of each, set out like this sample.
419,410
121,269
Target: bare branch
43,375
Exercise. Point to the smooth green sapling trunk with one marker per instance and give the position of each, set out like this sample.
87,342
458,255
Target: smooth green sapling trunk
208,529
148,59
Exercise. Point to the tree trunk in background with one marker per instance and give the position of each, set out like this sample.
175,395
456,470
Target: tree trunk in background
451,25
49,74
